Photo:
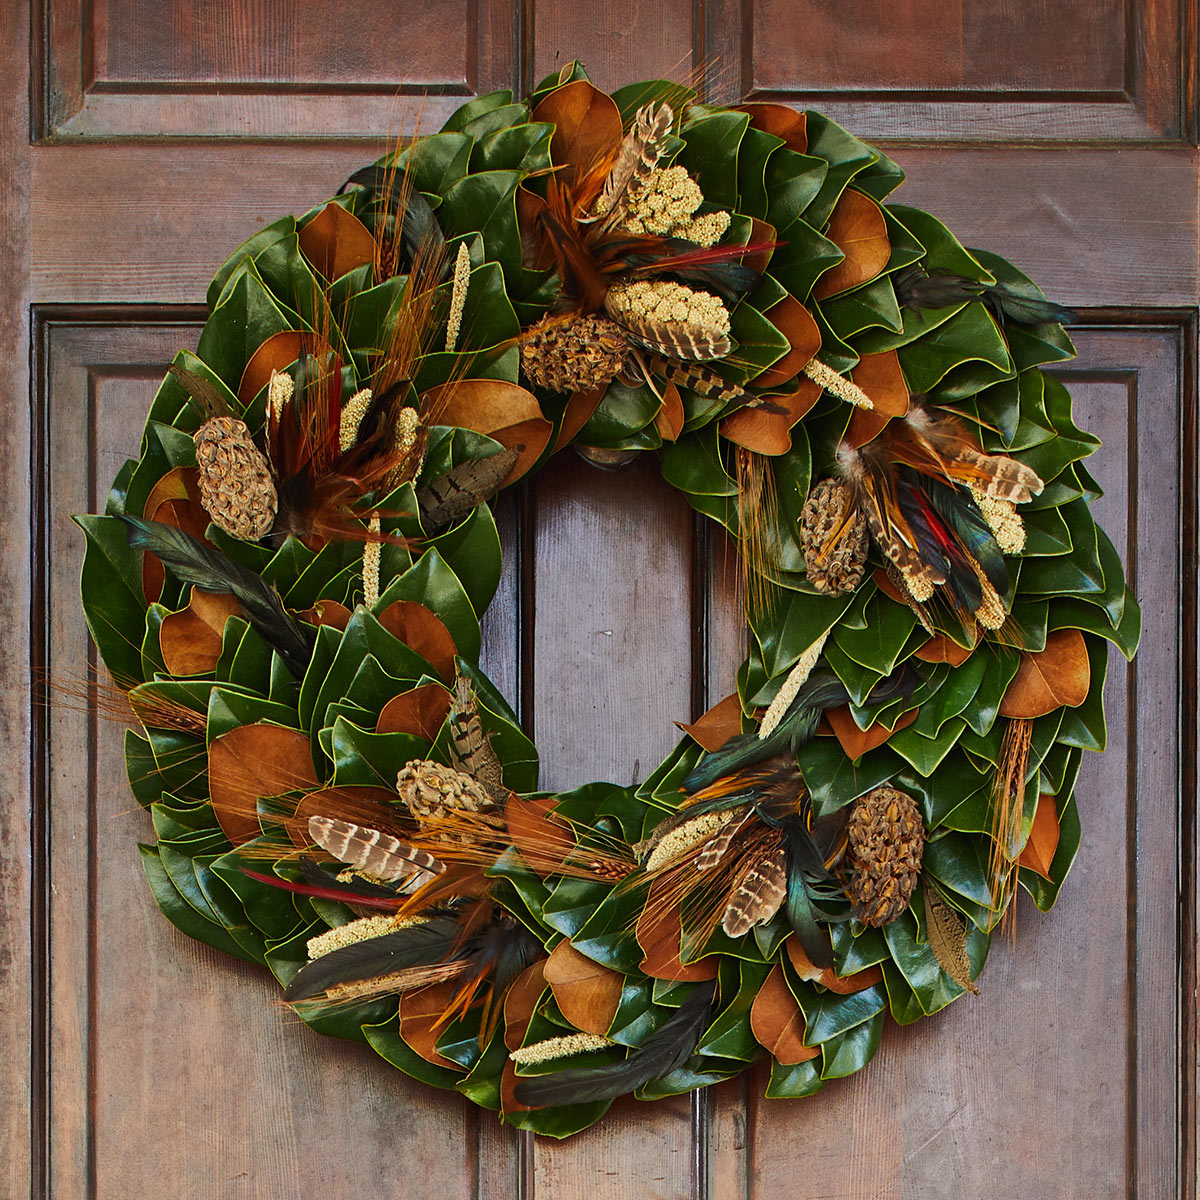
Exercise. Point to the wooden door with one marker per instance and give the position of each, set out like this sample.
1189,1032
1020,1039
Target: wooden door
140,142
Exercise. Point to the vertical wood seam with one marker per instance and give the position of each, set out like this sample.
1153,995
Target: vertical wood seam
700,587
39,930
1132,824
1190,705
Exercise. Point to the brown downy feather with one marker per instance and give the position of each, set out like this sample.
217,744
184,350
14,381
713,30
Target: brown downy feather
935,443
471,747
757,898
947,935
676,339
714,849
1008,803
641,149
374,853
875,496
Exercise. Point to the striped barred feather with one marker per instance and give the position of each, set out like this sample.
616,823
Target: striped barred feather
374,853
758,897
675,339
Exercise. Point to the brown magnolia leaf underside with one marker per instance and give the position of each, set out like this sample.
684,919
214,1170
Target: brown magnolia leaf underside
422,630
420,1014
542,839
777,1022
941,648
277,353
586,992
660,935
768,430
880,376
190,639
252,762
800,328
1042,845
722,722
856,742
670,417
1057,676
780,121
502,410
859,230
421,711
335,241
843,985
587,127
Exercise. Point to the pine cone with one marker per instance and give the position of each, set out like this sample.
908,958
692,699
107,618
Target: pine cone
578,354
840,569
887,840
236,488
431,789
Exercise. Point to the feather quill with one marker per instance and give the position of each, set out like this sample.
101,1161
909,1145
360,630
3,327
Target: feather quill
948,939
641,149
377,854
209,569
660,1054
418,945
463,487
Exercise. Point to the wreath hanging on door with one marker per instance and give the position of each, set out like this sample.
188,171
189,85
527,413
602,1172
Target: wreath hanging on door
287,586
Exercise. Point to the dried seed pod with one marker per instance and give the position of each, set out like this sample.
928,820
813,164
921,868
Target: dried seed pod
236,487
430,789
834,567
883,855
578,354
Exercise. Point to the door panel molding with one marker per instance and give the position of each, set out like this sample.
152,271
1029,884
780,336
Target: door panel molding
254,72
83,352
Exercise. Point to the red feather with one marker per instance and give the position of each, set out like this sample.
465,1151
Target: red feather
323,893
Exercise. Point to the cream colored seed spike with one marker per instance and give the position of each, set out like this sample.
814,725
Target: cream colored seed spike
1003,520
837,385
372,554
353,412
458,296
796,679
560,1047
358,931
279,391
667,301
686,837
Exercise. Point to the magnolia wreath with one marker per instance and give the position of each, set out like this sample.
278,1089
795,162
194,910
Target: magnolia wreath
287,585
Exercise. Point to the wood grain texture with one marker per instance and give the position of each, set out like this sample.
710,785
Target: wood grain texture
972,70
1059,1080
250,70
1093,227
619,42
1076,1066
19,1071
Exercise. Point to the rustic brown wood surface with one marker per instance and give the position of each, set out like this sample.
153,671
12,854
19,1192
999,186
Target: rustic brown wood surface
139,142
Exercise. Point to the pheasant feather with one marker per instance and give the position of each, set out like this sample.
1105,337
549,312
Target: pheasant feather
209,569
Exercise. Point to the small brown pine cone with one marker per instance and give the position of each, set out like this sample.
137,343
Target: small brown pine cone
886,842
430,790
837,568
577,354
236,488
